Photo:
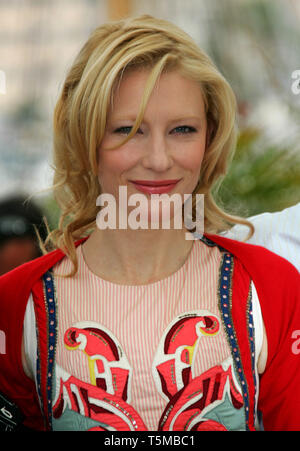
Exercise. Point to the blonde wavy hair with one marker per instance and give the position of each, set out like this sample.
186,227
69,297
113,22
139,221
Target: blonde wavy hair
81,113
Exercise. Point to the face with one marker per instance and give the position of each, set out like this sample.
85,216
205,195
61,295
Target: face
169,144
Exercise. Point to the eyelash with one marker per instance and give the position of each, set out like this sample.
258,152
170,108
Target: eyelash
122,130
187,129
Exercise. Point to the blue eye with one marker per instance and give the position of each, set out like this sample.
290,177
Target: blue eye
184,129
125,130
181,130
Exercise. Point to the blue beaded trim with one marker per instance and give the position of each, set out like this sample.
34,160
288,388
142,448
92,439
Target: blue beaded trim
225,302
209,242
251,334
38,372
50,306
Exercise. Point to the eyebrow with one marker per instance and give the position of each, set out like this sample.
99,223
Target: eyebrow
132,118
186,118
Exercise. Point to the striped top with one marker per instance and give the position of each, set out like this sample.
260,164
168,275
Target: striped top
135,323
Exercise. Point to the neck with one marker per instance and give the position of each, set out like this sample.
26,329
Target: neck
134,257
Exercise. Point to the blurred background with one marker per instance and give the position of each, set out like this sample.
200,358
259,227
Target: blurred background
254,43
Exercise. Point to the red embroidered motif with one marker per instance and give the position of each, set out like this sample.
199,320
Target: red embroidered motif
110,411
189,398
108,370
187,409
176,351
104,399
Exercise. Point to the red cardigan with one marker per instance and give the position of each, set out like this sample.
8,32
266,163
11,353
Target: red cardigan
278,287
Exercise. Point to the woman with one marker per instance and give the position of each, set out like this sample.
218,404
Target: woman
142,328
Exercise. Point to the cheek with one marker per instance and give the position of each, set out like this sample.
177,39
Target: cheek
192,158
112,162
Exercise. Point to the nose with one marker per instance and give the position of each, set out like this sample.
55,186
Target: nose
157,154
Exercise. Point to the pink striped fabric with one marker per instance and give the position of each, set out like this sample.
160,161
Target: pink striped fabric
137,317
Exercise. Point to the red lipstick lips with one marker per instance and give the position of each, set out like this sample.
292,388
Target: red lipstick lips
155,186
156,182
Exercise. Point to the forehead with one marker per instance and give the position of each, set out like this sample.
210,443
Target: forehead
172,94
